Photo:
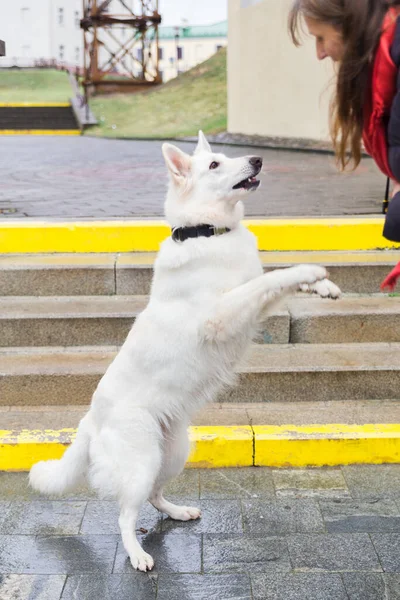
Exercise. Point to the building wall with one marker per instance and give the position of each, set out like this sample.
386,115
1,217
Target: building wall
274,89
195,51
39,31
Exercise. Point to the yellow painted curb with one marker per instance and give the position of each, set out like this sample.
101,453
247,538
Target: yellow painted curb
19,451
218,447
212,447
146,236
40,132
326,445
35,104
215,447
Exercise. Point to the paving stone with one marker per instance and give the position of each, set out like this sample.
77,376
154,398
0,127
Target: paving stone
244,553
316,483
172,553
43,517
299,586
48,555
333,553
52,177
347,516
388,548
134,586
392,586
101,517
204,587
373,481
236,483
15,486
31,587
365,586
282,517
217,517
186,485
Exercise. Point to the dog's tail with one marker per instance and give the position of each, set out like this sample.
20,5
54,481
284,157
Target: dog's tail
58,476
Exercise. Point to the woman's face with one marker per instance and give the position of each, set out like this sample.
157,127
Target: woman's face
329,41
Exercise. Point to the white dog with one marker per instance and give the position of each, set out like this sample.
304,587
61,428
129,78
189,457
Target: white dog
208,297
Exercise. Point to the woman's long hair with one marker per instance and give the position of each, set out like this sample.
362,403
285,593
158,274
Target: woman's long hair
360,24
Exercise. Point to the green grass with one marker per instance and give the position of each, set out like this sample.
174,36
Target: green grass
195,100
34,85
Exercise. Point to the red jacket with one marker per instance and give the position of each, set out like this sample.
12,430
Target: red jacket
382,92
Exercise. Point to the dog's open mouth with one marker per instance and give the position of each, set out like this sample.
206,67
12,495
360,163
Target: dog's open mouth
251,183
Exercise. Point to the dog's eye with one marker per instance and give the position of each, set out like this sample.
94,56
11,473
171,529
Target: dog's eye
214,165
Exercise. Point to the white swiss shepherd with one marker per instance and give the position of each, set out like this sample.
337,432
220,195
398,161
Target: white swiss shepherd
208,298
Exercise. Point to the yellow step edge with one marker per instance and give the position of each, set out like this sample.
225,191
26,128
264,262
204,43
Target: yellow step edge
284,235
326,445
40,132
35,104
218,447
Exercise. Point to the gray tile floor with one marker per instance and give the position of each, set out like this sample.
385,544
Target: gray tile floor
322,534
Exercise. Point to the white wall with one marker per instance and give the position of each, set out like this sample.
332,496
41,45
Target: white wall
32,31
195,51
274,89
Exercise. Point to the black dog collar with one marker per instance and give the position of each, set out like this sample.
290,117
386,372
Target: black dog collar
180,234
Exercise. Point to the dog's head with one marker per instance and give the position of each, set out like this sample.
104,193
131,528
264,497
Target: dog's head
208,187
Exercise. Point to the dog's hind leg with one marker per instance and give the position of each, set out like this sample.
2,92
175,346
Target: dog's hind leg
176,451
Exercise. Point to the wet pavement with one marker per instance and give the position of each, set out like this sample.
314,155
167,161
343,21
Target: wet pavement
88,178
321,534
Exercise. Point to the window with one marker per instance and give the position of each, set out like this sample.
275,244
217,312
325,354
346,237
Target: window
139,54
61,16
25,12
61,52
160,53
77,54
179,52
77,19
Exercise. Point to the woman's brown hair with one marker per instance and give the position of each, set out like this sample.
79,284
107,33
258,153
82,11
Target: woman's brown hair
360,24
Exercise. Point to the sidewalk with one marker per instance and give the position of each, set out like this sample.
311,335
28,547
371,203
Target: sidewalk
265,535
84,178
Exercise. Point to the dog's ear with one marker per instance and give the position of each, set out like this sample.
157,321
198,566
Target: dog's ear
179,163
202,145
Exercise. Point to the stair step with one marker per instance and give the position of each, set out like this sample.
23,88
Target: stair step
130,274
37,117
359,412
88,321
107,320
279,373
351,319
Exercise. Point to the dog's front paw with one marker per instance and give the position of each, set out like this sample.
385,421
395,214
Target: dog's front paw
324,289
310,274
142,561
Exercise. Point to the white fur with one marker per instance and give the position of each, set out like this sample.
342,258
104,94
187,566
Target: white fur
207,300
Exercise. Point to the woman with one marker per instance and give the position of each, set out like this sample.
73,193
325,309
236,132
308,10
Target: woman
363,38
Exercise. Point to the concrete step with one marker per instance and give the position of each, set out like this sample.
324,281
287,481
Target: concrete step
37,117
130,274
351,319
359,412
279,373
106,320
88,321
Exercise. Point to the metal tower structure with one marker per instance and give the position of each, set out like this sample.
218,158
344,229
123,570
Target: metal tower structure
120,45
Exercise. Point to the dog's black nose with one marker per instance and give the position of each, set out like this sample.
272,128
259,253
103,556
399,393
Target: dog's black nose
256,161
